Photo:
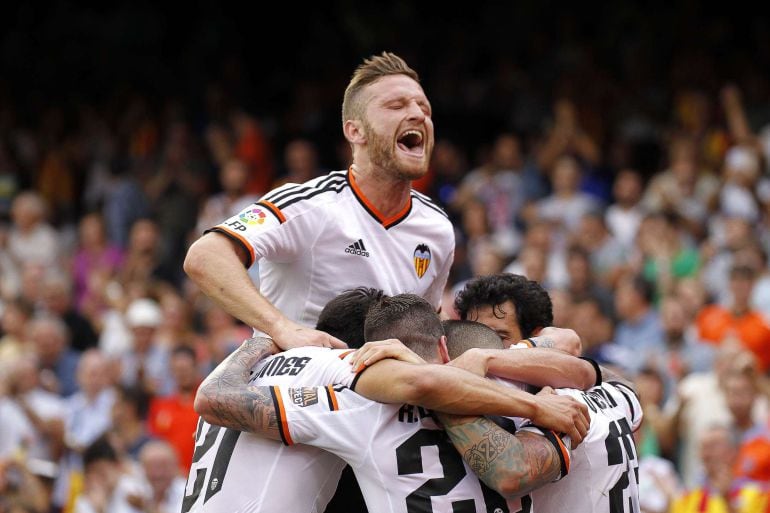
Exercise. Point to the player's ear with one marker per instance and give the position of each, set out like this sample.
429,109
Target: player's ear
354,131
536,331
442,349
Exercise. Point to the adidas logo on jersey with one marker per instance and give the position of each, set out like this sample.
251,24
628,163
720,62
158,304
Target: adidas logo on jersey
357,248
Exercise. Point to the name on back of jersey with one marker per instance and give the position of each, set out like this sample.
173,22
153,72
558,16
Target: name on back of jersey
599,399
410,414
282,366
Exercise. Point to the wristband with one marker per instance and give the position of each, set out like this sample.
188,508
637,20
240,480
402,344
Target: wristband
532,341
597,370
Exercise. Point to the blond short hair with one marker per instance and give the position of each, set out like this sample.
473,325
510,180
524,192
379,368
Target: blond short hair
372,69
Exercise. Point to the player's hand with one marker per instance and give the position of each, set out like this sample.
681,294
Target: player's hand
562,414
373,352
564,339
473,360
289,335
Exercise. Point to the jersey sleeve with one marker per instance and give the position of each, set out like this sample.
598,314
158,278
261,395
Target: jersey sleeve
330,418
265,231
627,401
561,443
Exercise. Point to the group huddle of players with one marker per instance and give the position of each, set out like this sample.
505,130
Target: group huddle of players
280,435
276,430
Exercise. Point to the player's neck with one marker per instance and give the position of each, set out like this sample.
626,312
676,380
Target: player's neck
388,194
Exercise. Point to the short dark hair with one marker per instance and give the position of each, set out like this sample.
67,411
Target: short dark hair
410,319
533,304
464,335
372,69
343,317
100,450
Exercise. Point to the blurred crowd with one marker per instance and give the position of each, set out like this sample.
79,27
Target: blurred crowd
643,209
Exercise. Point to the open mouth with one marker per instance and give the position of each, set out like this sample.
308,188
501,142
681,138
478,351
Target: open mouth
412,142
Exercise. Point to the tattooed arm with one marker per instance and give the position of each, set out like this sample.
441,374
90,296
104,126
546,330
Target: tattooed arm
225,398
512,465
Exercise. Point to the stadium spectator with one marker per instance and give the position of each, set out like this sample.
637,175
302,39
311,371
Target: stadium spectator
700,402
498,186
753,460
233,198
582,283
107,486
625,214
13,325
31,239
161,470
300,159
173,418
57,299
40,413
608,258
721,490
567,204
639,329
684,189
739,320
222,334
88,418
58,362
129,421
665,254
146,364
95,262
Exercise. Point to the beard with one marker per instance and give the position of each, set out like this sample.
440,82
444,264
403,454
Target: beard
382,153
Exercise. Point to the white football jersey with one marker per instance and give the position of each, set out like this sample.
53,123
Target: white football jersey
234,472
320,238
403,461
604,472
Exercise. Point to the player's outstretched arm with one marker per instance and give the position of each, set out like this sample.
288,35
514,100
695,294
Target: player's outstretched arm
452,390
512,465
216,266
535,366
226,399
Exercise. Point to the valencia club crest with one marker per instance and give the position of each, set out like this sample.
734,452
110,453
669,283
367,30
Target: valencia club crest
421,259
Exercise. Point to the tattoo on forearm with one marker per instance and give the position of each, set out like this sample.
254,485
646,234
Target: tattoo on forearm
511,464
481,455
233,402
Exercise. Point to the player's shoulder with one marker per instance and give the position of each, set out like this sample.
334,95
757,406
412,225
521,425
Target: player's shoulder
571,392
301,361
299,197
622,390
318,352
425,203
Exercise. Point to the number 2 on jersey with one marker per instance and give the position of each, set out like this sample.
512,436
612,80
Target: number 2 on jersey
409,461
